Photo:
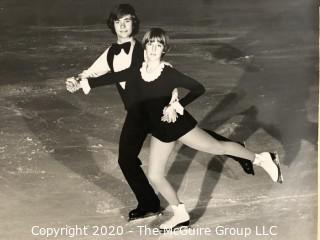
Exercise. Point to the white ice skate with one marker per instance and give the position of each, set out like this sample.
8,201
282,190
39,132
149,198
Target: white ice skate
180,218
271,164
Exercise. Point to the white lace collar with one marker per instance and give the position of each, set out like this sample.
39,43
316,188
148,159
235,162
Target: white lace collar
149,77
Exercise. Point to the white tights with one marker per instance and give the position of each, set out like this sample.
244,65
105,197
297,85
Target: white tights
197,139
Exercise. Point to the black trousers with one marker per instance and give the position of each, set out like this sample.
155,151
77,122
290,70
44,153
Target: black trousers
133,134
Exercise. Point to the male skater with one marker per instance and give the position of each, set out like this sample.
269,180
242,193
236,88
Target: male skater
128,52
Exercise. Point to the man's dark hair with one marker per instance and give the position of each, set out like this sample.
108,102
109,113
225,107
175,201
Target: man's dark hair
120,11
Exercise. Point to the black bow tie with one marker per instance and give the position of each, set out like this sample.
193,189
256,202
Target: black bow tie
125,46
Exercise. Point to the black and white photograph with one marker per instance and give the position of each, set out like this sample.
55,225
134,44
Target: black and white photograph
159,119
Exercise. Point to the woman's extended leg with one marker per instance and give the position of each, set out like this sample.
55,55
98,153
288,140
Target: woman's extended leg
202,141
159,155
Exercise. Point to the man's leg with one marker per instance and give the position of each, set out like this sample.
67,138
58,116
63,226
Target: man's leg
131,140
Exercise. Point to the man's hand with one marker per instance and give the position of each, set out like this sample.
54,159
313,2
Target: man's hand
174,96
169,115
167,64
72,84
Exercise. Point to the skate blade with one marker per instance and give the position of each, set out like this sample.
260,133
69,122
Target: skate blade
275,159
148,215
176,227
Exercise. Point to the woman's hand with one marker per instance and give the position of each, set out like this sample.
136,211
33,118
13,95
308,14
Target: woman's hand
169,114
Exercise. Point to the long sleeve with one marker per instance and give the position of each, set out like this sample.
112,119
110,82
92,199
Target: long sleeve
99,67
111,78
180,80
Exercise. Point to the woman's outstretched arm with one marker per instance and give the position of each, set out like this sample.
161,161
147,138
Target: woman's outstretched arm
111,78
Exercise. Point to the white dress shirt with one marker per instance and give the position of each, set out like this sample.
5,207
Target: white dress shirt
100,66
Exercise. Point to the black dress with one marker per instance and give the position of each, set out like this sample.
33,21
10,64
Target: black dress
151,98
156,94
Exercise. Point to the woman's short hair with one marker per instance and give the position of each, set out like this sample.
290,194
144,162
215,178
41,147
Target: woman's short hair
120,11
157,34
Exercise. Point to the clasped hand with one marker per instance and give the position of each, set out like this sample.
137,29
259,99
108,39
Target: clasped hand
72,84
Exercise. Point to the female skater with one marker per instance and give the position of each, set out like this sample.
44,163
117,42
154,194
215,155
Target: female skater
150,88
